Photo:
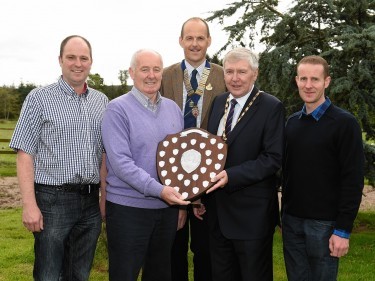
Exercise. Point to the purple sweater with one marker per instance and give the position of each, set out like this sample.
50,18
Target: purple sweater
131,134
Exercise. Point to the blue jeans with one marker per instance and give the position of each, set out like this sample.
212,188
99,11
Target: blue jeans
306,249
65,249
139,238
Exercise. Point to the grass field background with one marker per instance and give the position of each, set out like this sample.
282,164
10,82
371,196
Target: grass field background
7,161
16,255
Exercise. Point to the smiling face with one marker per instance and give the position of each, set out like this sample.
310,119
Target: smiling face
75,63
311,83
195,40
239,77
146,72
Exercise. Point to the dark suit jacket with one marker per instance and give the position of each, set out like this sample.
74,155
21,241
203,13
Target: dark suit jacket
247,207
172,83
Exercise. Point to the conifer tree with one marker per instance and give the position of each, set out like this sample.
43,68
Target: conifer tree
341,31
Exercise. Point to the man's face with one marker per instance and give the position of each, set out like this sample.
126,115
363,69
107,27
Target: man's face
239,77
75,62
147,73
311,84
195,42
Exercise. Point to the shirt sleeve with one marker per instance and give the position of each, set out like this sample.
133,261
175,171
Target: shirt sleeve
351,159
28,129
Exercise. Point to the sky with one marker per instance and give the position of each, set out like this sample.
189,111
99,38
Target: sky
31,32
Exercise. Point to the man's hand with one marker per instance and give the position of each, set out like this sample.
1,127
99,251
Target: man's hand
32,218
338,246
103,184
102,204
182,215
172,197
199,210
221,180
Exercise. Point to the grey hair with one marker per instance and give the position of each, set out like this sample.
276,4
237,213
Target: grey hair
133,61
242,54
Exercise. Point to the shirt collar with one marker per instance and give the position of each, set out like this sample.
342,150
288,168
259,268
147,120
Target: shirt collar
242,100
69,90
145,100
190,68
319,111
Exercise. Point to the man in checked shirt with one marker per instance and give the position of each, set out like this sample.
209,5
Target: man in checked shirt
59,167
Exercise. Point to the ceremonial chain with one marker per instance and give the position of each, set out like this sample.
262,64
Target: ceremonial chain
201,84
224,136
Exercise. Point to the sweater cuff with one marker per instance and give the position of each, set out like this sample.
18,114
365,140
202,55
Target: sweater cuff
341,233
154,189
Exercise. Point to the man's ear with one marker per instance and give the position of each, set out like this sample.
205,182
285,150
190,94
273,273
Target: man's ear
327,81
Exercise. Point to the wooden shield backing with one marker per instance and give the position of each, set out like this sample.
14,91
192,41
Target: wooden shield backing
188,160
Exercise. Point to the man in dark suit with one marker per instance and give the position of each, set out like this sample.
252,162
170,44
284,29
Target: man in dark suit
242,206
194,96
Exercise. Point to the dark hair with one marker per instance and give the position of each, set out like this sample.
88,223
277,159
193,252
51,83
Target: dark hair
66,40
195,19
315,60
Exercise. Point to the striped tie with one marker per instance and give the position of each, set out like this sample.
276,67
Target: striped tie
193,80
228,124
191,101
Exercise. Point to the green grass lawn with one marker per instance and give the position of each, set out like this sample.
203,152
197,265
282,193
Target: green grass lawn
16,255
4,126
7,161
8,165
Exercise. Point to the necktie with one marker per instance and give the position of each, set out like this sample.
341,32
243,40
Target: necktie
191,102
193,80
228,124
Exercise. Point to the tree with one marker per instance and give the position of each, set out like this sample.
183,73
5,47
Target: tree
341,31
9,108
114,91
24,90
215,59
95,81
123,76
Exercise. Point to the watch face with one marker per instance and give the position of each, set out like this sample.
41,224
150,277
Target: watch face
188,160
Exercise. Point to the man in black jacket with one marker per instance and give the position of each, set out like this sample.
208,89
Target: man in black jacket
242,207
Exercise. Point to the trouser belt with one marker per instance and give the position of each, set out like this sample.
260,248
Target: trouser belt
83,189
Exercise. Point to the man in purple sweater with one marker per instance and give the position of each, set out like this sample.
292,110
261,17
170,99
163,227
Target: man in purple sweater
141,225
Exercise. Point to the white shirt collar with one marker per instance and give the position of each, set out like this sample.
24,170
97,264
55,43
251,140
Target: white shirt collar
190,68
242,100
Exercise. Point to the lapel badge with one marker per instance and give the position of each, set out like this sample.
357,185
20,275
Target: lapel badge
209,87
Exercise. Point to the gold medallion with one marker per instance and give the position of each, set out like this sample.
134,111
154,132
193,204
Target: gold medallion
201,83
